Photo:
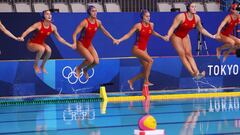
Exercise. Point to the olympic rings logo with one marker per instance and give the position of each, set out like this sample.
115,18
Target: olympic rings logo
71,75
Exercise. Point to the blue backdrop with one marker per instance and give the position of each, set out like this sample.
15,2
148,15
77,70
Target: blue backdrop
117,24
17,78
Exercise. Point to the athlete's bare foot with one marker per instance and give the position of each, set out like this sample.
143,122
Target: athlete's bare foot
86,73
200,75
44,70
225,55
78,70
130,84
203,74
150,84
218,52
36,68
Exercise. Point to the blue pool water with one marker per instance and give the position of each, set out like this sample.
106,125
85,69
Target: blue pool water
213,116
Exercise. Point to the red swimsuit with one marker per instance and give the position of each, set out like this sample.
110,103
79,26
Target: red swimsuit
143,36
185,27
228,29
88,33
41,35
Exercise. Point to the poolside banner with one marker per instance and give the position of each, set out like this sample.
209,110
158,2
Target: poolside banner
19,79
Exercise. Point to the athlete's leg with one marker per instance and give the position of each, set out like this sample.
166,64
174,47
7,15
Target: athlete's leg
236,46
228,43
40,49
95,62
48,52
178,45
138,76
188,53
143,55
87,55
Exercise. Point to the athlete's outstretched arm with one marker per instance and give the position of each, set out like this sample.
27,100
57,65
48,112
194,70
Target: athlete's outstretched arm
78,30
223,23
105,31
157,34
201,29
7,32
59,38
30,29
129,34
176,22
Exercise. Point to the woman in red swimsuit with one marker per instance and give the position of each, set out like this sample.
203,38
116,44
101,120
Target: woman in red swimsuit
144,30
225,30
178,34
7,32
37,42
88,27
